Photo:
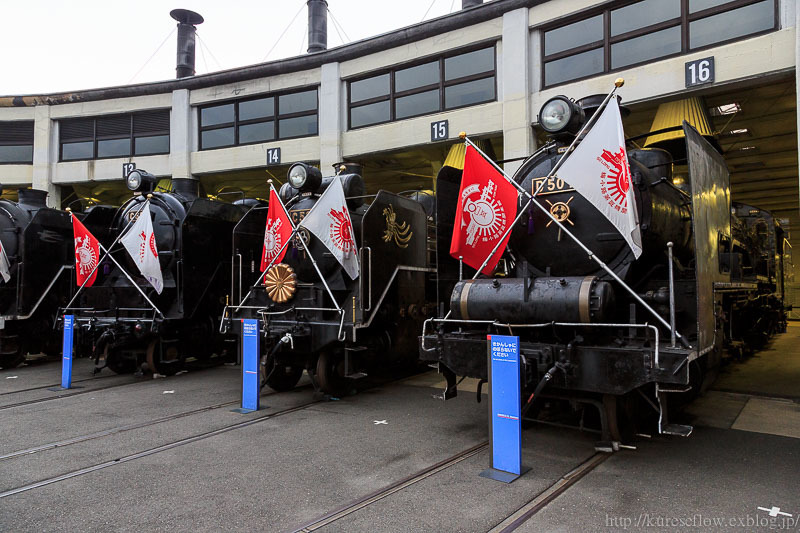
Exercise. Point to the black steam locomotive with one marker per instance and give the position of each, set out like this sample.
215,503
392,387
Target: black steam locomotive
375,317
38,244
193,239
583,334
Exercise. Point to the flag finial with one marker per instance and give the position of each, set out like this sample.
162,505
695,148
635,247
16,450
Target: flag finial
462,135
149,196
619,82
269,181
68,210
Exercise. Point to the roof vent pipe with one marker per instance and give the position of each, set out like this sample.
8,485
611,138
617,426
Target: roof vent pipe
187,20
470,3
317,26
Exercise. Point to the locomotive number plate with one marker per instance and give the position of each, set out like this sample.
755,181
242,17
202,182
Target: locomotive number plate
553,186
298,215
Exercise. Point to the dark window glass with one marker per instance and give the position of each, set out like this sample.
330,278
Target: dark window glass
573,35
369,114
216,138
16,154
80,150
572,67
656,44
699,5
468,64
472,92
259,132
416,104
252,109
731,24
157,144
219,114
297,102
419,76
369,88
114,147
642,14
298,126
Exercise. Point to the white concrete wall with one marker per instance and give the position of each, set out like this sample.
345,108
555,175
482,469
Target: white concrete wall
253,155
255,87
517,134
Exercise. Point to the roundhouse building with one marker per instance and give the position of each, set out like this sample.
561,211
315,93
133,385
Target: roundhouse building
383,102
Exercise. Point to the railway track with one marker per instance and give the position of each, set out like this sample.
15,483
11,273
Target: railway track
64,395
41,387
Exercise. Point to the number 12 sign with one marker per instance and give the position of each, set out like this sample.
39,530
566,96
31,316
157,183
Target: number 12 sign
700,71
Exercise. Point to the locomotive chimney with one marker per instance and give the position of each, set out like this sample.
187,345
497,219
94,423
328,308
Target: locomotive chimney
32,197
317,26
187,20
470,3
187,187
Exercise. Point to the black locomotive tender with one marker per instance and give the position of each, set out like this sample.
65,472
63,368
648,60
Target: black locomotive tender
38,243
579,330
375,318
193,238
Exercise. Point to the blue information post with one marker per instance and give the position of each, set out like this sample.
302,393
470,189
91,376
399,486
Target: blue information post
66,357
250,366
505,420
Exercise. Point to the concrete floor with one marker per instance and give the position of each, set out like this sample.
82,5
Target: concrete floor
281,472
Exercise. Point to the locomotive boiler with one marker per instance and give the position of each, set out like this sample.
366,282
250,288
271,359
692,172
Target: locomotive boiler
135,328
581,332
37,242
318,318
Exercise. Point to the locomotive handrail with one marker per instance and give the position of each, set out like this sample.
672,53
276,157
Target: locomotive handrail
42,297
397,269
541,325
361,280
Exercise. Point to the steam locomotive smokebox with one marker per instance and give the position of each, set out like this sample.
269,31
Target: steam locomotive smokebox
570,299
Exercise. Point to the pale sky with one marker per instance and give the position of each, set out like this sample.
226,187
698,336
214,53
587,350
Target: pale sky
51,46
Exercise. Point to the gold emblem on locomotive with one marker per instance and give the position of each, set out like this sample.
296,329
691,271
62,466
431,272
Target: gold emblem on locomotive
401,233
280,282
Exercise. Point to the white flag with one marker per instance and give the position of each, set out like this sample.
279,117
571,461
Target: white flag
330,221
598,169
5,268
141,245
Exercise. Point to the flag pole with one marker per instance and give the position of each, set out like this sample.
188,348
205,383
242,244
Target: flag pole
618,83
107,253
132,281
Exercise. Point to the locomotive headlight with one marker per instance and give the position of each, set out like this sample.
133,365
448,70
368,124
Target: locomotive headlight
559,114
304,177
134,180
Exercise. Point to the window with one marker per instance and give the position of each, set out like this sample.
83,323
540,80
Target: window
16,142
114,136
258,120
632,33
447,82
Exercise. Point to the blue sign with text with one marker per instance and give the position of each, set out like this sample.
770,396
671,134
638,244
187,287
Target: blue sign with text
250,365
506,425
66,357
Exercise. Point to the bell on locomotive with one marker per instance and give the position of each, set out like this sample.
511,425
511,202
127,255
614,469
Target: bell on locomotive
35,271
336,276
159,291
597,321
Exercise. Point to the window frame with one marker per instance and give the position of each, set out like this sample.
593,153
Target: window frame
605,10
131,136
19,143
275,118
441,85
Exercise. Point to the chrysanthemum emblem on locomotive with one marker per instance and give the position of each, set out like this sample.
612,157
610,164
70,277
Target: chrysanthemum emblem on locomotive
87,257
484,217
341,231
615,182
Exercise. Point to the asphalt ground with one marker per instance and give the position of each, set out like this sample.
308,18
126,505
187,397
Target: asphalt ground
298,458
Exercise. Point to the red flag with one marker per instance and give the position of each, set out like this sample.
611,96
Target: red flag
278,230
87,253
487,205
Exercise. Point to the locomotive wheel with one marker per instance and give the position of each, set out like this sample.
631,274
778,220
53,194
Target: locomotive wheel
281,377
12,360
330,373
11,353
166,364
118,363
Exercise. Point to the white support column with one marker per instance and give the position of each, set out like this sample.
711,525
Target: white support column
330,117
797,74
180,135
45,155
515,87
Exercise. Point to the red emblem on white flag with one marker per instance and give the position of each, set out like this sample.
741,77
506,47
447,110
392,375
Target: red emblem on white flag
342,230
487,204
276,233
140,242
87,253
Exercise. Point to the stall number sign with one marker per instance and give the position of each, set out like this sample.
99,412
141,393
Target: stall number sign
440,130
700,71
127,168
273,156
